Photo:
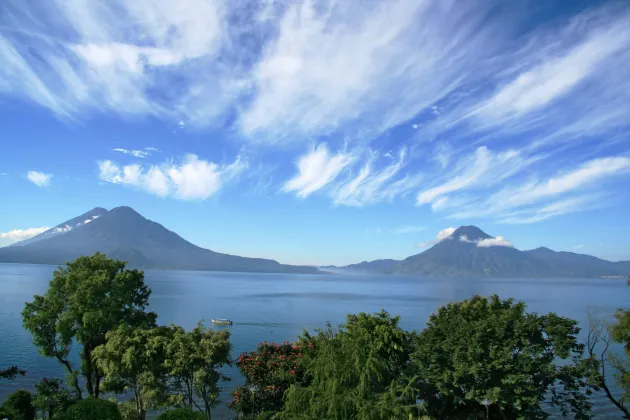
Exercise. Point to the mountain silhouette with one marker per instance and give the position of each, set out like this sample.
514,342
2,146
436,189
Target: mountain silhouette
470,252
124,234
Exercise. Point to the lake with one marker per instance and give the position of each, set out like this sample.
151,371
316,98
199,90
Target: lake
277,307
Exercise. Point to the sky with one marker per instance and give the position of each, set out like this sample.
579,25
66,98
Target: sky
321,132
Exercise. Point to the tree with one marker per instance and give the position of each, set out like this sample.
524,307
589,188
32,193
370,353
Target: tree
181,414
269,372
11,373
602,332
491,349
133,359
349,371
193,361
51,397
92,409
84,301
19,406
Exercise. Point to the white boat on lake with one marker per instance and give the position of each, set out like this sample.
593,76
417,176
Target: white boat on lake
222,321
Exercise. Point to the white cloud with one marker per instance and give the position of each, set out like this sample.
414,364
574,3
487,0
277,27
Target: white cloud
152,149
135,153
368,185
498,241
192,179
481,170
389,61
39,178
63,229
588,173
21,234
578,246
317,168
408,229
442,235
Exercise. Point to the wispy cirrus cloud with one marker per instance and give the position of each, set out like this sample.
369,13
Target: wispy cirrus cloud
480,97
408,229
352,178
190,179
40,179
138,153
517,202
316,169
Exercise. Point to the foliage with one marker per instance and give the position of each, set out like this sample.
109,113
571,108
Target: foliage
181,414
193,360
492,349
127,409
133,359
18,406
602,332
268,372
11,373
86,299
350,371
92,409
51,397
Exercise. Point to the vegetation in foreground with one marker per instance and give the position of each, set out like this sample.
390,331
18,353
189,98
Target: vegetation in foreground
483,358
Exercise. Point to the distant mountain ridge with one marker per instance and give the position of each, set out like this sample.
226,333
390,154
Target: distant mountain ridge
470,252
124,234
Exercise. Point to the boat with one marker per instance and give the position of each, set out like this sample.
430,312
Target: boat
222,321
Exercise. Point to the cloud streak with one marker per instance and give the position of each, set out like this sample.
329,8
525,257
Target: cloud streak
316,169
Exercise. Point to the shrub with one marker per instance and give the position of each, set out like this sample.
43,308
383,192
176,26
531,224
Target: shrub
18,406
93,409
182,414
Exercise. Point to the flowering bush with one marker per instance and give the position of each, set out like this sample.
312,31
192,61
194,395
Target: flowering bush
268,371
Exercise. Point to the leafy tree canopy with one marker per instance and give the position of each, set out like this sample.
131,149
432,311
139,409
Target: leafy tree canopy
491,349
18,406
350,370
132,359
85,300
11,373
193,361
51,397
181,414
92,409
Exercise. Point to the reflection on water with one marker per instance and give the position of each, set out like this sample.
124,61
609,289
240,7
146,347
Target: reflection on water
277,307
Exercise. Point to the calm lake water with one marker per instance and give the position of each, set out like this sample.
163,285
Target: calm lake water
277,307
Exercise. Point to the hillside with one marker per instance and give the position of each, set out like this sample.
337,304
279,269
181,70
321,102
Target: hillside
466,253
125,234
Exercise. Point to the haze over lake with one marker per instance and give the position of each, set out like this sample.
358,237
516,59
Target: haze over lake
277,307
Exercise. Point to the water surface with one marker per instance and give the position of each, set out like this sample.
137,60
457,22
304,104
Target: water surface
277,307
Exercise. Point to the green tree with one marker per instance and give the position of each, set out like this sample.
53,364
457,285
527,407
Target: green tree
349,371
491,349
18,406
85,300
602,333
92,409
181,414
193,361
51,397
133,359
11,373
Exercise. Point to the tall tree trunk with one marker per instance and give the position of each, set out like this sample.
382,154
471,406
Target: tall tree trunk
97,386
68,366
88,370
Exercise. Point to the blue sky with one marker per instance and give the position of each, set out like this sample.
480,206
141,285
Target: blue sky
325,132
